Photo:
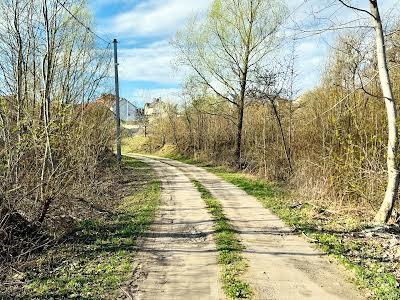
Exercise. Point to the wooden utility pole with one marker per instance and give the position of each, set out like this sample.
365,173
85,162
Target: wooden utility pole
117,110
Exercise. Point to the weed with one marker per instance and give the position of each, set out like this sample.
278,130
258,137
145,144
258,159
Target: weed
363,258
97,258
229,248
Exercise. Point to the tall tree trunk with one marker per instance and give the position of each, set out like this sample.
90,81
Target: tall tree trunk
385,211
238,151
240,104
285,146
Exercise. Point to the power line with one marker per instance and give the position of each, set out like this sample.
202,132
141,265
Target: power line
82,24
117,107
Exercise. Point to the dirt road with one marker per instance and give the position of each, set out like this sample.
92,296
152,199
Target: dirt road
281,264
178,258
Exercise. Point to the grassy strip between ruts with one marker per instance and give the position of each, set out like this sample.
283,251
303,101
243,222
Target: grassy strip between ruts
229,248
357,255
365,257
98,258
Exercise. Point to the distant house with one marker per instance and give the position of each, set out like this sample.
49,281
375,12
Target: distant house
154,108
128,111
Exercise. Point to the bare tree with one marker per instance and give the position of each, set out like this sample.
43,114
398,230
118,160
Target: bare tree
225,50
391,193
274,87
50,69
392,156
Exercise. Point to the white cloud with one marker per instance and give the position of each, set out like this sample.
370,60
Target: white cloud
313,51
156,17
150,63
151,23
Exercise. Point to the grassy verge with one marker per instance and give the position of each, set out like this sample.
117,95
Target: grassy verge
365,256
229,249
374,260
97,258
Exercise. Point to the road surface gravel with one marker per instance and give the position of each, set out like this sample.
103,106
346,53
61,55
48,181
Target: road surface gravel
179,257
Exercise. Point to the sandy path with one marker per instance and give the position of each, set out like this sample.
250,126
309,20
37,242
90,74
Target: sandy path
281,265
178,258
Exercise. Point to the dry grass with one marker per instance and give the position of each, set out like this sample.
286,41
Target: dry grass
94,257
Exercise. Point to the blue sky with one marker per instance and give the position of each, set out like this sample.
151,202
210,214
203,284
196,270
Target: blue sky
144,29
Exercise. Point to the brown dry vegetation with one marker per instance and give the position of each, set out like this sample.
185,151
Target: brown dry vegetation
90,251
81,154
54,146
336,138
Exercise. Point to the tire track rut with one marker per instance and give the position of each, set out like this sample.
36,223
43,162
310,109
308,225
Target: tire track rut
177,258
282,265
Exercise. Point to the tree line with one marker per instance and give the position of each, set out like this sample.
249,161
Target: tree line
337,143
52,139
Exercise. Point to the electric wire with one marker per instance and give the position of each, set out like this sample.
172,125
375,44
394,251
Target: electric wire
82,24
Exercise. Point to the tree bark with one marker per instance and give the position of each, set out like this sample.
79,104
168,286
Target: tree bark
388,203
243,86
238,151
285,146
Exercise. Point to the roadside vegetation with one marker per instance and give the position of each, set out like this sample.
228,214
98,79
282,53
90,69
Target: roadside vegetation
369,252
55,143
329,143
94,259
229,249
331,151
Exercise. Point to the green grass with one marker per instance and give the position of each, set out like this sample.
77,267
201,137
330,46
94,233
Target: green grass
229,249
98,257
364,259
135,144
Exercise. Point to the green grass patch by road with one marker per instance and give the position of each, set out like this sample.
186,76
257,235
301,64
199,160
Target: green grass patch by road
97,258
374,261
229,248
364,257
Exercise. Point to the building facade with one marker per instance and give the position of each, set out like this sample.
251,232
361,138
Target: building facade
128,111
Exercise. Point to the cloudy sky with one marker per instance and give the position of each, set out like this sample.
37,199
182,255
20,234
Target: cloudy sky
144,29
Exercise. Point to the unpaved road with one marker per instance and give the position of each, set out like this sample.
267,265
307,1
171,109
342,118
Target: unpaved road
179,258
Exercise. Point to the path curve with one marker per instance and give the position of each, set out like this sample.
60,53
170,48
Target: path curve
282,265
177,258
